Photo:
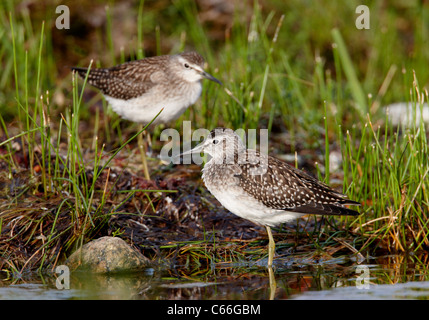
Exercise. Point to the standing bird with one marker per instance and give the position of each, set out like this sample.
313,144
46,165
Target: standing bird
263,189
139,90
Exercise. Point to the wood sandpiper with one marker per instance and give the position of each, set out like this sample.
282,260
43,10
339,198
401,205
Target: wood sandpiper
263,189
139,90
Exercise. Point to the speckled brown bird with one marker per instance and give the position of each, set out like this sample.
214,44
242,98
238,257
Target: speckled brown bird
138,90
263,189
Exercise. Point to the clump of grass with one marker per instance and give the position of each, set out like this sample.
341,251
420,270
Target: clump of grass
390,171
57,197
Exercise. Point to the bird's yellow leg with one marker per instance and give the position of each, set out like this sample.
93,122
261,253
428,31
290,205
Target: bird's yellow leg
271,246
271,251
273,283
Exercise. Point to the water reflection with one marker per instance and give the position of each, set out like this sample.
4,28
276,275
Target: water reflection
297,278
408,290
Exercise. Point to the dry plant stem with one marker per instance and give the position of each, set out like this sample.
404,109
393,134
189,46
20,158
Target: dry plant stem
143,153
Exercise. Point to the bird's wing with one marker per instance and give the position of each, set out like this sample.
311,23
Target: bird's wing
281,186
128,80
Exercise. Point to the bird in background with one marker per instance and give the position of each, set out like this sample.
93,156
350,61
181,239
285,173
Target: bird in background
261,188
140,90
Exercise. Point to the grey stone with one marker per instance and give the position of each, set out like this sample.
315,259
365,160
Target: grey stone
107,255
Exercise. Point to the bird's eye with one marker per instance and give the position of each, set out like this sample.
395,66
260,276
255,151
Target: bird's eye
215,141
186,65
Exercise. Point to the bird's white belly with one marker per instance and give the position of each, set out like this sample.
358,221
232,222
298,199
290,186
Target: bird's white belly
143,109
249,208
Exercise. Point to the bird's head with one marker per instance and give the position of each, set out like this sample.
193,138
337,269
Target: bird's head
223,145
189,66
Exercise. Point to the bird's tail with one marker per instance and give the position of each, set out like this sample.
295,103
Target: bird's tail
80,71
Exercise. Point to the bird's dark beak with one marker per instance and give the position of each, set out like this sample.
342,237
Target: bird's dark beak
210,77
198,149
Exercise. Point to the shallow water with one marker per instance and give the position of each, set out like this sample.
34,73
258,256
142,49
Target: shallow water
387,277
408,290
